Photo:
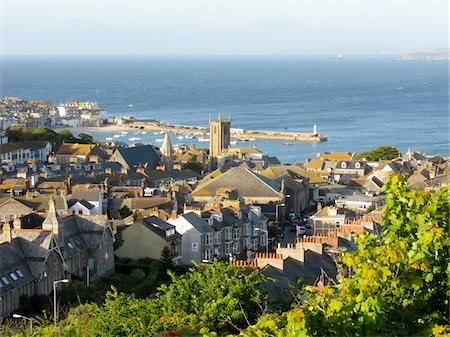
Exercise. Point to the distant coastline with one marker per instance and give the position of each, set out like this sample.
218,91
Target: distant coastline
437,54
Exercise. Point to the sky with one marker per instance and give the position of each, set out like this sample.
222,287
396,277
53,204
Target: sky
214,27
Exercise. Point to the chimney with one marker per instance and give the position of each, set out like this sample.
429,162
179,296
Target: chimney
16,223
6,233
319,206
29,195
174,214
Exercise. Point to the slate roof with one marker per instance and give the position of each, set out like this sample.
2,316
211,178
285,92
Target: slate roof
91,194
246,182
85,203
139,155
159,227
274,171
197,222
13,260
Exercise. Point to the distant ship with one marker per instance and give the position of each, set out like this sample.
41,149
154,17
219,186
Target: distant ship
203,139
339,57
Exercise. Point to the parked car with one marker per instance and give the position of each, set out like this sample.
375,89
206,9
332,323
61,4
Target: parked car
301,230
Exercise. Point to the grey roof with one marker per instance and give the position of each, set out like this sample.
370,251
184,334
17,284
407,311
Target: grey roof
31,221
246,182
114,166
160,227
13,259
91,194
85,203
197,222
34,145
140,155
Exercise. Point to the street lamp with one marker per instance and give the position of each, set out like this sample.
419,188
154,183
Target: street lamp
24,317
55,311
267,237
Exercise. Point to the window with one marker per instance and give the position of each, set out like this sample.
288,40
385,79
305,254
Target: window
18,272
80,211
218,252
247,243
1,285
262,239
227,234
344,165
73,211
254,244
247,229
236,248
208,239
228,248
236,234
70,245
357,165
217,238
208,254
13,276
195,246
5,280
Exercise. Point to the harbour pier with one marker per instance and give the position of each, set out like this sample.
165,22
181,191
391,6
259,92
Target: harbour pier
235,133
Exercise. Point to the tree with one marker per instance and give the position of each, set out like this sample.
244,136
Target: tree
85,138
125,212
193,164
66,135
380,153
166,259
395,286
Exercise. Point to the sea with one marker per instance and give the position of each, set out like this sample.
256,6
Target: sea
358,103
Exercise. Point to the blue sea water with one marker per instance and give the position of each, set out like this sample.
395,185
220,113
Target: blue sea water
358,103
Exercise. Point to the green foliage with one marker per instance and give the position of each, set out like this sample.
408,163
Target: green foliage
209,297
19,133
397,285
193,164
166,260
125,212
380,153
272,228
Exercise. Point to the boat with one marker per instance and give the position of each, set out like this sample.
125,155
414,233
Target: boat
108,138
130,105
251,139
339,57
189,136
159,140
134,139
116,136
233,142
143,132
156,133
203,139
286,144
180,137
124,132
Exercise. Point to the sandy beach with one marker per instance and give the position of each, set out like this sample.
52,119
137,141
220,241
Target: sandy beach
92,129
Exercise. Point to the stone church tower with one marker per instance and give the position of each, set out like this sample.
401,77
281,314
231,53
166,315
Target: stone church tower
219,135
166,151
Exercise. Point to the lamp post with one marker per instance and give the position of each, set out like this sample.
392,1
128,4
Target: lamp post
55,311
267,237
28,318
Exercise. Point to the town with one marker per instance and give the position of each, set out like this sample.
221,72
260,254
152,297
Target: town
77,209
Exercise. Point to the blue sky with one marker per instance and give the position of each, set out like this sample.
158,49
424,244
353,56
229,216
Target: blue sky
214,27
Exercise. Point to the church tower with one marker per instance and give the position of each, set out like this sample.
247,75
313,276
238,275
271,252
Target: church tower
219,135
166,151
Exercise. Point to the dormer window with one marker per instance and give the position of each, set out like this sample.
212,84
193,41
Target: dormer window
344,165
357,165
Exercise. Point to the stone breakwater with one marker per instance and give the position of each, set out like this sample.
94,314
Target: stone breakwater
235,133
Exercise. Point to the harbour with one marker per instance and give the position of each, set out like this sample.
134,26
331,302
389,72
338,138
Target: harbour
240,134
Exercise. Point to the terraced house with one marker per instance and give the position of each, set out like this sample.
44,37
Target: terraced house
37,249
220,232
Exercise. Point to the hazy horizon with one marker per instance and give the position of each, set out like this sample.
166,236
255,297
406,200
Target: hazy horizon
221,28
